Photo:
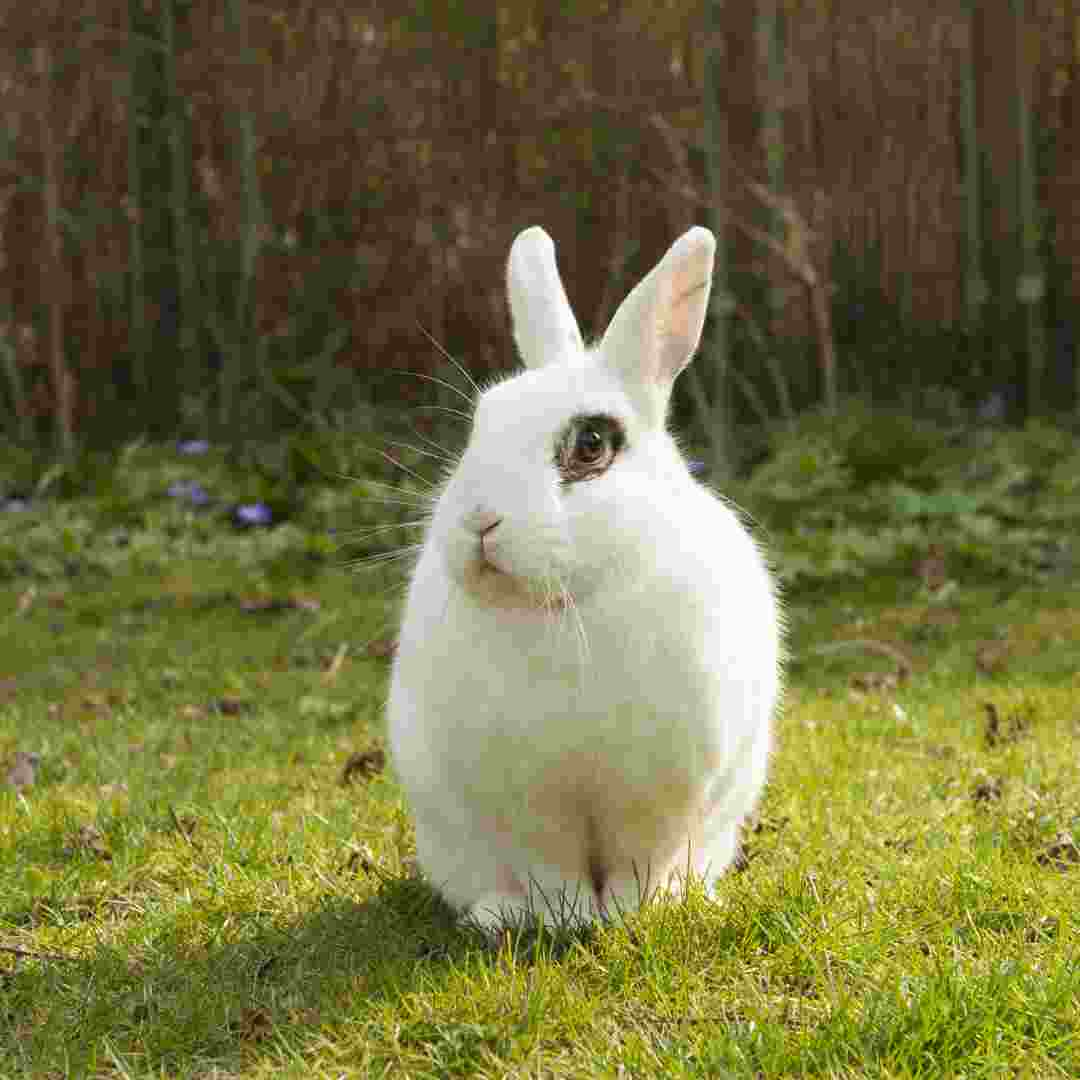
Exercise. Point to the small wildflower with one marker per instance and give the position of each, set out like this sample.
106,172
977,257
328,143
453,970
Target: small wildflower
696,467
190,491
253,514
192,447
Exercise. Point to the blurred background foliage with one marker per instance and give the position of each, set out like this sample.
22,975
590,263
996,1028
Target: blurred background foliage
228,220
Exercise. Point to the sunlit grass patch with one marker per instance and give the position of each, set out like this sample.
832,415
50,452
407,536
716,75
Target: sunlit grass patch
211,874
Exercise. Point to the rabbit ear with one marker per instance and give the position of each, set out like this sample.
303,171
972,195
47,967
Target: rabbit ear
658,326
544,326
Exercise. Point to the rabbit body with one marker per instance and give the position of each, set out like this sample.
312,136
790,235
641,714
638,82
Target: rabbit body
581,702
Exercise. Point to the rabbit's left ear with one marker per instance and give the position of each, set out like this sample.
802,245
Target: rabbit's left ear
544,326
657,328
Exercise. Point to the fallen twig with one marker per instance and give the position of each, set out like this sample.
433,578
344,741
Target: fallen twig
33,954
902,660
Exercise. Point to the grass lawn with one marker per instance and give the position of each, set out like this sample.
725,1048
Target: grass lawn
210,875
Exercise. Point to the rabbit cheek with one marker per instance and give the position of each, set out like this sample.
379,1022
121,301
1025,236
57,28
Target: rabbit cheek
496,588
493,577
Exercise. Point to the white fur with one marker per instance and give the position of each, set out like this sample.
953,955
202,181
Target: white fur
583,692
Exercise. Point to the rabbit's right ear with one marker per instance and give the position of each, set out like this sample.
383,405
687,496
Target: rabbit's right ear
544,326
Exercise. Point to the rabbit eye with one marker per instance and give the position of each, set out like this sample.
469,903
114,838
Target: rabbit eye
589,447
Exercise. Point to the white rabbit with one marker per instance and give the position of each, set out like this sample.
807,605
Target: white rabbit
588,665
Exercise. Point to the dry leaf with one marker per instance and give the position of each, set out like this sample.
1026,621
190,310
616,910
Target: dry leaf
22,772
991,656
876,681
258,605
254,1025
382,649
932,570
999,732
185,825
1062,854
89,839
744,853
362,858
334,666
229,706
944,753
363,765
988,790
766,824
1046,927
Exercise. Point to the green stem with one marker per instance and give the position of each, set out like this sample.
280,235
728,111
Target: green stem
252,205
22,424
139,344
1031,285
976,291
180,198
715,417
771,52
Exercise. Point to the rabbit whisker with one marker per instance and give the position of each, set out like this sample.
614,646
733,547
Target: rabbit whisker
384,556
451,457
382,501
415,498
446,409
584,653
363,534
424,453
468,378
405,468
440,382
395,489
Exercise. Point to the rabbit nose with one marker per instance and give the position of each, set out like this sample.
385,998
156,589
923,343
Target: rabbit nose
481,522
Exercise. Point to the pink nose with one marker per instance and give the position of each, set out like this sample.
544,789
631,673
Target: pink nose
481,522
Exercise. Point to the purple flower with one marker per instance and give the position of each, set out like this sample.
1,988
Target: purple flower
252,514
189,490
192,447
696,467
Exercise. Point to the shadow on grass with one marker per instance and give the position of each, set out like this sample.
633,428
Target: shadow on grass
267,987
267,990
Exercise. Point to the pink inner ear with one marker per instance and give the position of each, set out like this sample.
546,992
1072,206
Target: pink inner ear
680,315
670,358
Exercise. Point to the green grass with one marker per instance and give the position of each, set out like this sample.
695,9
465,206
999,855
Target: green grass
198,893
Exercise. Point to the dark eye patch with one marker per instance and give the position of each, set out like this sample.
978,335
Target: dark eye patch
588,446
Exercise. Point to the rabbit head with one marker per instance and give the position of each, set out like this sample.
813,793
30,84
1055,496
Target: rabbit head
569,471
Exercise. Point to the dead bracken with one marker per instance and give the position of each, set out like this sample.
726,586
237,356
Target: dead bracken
1062,854
363,765
999,732
382,648
988,790
991,657
88,839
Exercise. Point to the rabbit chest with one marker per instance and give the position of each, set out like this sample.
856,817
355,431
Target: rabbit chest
558,723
